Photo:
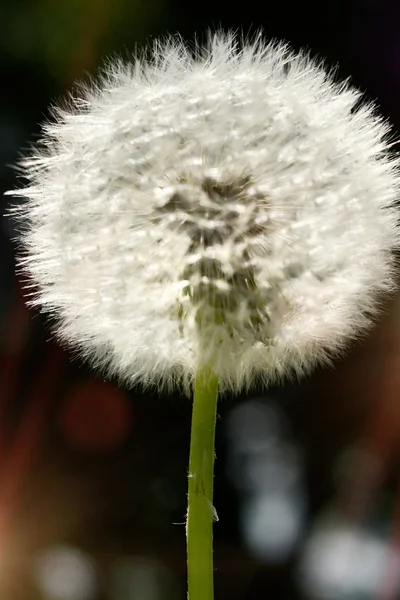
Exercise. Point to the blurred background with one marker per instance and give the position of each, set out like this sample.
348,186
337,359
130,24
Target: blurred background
92,477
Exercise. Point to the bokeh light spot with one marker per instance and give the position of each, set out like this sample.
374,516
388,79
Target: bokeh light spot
342,561
64,573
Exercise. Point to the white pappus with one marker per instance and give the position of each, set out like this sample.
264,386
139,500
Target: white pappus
231,205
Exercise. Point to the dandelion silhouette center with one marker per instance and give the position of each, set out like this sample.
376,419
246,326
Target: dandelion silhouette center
216,212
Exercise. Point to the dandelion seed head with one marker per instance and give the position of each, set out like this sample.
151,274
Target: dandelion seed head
232,206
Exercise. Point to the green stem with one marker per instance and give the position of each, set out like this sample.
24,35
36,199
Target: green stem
200,514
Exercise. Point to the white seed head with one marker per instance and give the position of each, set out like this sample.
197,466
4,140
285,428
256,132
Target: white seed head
226,205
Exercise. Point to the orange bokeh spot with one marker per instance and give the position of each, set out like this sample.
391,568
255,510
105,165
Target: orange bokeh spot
96,416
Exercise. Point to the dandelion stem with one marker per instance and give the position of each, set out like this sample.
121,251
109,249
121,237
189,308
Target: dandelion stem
200,514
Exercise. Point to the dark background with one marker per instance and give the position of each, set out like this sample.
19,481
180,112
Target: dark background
92,477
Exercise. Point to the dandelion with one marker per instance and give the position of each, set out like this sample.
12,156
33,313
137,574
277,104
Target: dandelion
213,218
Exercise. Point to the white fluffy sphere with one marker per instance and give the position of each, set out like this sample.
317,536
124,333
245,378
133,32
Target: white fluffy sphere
232,206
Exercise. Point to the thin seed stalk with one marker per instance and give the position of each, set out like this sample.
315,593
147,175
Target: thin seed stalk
200,512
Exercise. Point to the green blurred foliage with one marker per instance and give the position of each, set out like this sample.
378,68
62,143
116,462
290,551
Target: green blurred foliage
69,37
